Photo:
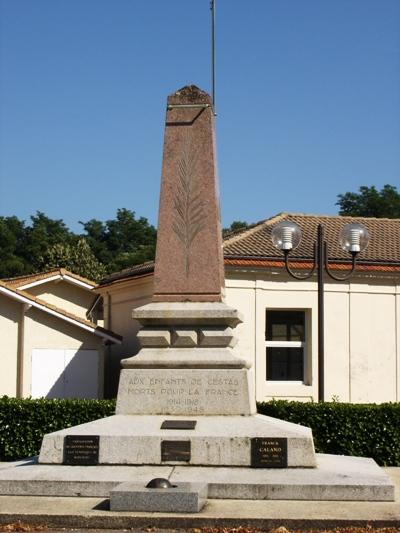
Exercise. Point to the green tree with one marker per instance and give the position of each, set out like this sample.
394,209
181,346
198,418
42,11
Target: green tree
235,226
12,242
369,202
121,242
76,257
48,243
43,233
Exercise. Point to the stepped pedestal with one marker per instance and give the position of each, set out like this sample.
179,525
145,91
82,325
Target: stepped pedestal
186,407
188,414
203,389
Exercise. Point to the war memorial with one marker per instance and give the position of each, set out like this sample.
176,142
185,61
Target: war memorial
186,428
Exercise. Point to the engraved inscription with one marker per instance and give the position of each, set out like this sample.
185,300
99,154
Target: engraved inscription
81,449
189,212
183,392
187,392
269,453
175,450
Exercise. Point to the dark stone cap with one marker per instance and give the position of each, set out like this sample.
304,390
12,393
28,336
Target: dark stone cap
190,94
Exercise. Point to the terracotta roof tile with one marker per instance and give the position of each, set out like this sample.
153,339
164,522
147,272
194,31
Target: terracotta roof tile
31,278
253,246
134,271
384,245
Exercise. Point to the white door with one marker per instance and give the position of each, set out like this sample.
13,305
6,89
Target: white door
81,373
65,373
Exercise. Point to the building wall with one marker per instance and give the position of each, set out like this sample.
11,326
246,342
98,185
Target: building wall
10,315
119,301
67,296
373,358
362,352
362,332
43,331
252,297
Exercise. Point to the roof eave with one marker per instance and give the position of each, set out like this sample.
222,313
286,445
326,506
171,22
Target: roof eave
23,298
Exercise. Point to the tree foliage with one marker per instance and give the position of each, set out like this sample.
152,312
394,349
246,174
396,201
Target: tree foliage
76,257
22,246
103,247
235,226
121,242
369,202
12,239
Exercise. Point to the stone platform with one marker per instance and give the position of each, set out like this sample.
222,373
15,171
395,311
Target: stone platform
180,498
215,440
188,373
337,478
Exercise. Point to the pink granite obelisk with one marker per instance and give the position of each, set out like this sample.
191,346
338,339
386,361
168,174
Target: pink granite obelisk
187,377
189,261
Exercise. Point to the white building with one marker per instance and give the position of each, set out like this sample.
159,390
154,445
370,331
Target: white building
279,331
52,346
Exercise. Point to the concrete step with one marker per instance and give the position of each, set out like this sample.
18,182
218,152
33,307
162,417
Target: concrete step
335,478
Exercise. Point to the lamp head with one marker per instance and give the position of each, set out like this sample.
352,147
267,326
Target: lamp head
354,238
286,236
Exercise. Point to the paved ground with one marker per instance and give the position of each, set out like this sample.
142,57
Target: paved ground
62,512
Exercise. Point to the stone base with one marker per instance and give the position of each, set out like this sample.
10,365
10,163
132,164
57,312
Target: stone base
181,498
187,314
337,478
185,391
215,440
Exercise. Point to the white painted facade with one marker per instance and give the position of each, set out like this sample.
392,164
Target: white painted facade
118,303
362,335
49,351
362,331
67,296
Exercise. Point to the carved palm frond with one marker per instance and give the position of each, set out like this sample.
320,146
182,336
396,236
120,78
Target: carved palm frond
189,212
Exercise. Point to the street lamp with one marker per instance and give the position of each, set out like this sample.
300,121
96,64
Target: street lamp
354,238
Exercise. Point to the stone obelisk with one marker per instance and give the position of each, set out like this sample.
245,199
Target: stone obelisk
186,398
187,335
189,260
186,368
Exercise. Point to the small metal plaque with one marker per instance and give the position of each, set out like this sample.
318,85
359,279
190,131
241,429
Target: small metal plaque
269,453
179,424
81,450
175,450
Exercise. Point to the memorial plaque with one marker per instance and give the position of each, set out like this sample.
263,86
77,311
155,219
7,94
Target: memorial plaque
179,424
81,450
269,453
175,450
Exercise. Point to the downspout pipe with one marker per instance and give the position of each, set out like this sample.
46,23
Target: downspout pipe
21,352
107,366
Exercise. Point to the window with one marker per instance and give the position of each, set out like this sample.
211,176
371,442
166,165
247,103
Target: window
285,345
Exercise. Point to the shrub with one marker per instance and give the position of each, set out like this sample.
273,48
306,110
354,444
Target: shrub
365,430
23,422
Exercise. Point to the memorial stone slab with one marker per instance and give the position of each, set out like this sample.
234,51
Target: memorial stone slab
184,392
181,498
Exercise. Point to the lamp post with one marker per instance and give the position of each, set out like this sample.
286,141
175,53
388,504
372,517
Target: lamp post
354,238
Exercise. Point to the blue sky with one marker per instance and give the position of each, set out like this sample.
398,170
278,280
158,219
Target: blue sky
308,102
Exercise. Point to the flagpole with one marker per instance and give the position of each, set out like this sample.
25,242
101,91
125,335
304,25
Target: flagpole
212,7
